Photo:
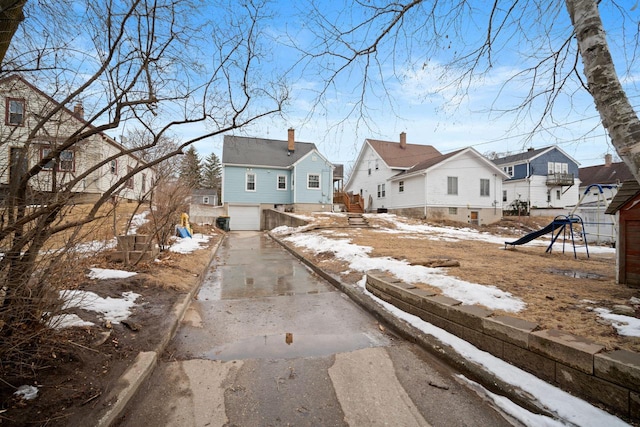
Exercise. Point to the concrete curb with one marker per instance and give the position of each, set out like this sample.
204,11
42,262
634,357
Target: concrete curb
430,343
146,361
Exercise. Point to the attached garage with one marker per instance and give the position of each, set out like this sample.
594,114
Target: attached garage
244,217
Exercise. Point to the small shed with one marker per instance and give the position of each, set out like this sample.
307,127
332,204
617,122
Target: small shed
626,204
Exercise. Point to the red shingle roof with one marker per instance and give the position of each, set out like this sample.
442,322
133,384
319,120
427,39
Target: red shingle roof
602,174
403,158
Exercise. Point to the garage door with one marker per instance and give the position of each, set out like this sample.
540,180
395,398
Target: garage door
244,217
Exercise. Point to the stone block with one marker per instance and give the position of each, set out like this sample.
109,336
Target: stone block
634,406
509,329
143,238
538,365
126,243
565,348
439,304
383,283
477,338
621,367
469,316
416,296
594,389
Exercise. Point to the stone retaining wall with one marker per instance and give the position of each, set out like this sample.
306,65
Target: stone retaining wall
580,366
272,218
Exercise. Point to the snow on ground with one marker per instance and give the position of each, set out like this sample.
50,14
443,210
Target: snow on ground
67,320
567,408
27,392
359,260
137,221
186,245
112,309
625,325
105,273
95,246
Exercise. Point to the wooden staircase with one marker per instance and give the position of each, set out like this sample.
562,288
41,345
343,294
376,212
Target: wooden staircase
354,203
357,220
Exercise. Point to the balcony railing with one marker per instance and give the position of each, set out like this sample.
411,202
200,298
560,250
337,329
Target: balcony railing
560,179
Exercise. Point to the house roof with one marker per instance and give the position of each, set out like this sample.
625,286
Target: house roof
402,158
107,138
529,155
203,191
629,189
240,150
604,174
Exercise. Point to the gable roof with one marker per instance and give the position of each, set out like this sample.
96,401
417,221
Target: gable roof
397,157
240,150
105,137
429,163
626,192
604,174
529,155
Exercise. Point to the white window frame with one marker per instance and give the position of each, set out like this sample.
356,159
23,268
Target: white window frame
247,182
205,200
309,187
508,170
453,211
504,195
485,187
452,181
400,186
382,193
278,182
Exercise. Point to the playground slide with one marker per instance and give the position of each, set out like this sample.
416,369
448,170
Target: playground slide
535,234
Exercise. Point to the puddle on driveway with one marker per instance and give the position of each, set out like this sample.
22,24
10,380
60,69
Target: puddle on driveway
576,274
290,345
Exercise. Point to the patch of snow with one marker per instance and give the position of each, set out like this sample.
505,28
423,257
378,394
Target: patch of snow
67,320
187,245
137,221
105,273
112,309
625,325
95,246
358,258
571,410
27,392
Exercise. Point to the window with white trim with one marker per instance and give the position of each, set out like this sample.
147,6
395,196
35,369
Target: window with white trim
453,211
205,200
504,195
250,184
313,181
508,170
401,187
66,162
113,166
485,187
381,191
282,182
452,185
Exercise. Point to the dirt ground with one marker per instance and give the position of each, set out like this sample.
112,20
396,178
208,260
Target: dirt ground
83,364
559,291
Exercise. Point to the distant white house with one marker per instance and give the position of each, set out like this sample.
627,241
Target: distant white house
460,186
377,162
25,106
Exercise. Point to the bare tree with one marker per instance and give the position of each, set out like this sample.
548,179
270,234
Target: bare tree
375,44
97,66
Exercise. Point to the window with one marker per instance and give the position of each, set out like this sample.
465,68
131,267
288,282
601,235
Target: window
15,112
557,167
129,183
504,195
313,181
282,182
205,200
548,196
452,185
66,163
251,182
484,187
376,165
508,170
369,171
558,195
113,166
453,211
401,187
144,182
381,191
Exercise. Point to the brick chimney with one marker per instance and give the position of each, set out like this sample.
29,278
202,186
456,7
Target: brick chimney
291,140
78,110
607,159
403,140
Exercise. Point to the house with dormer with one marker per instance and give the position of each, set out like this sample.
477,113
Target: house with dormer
543,178
259,174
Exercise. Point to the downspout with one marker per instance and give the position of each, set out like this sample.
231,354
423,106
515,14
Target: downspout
425,195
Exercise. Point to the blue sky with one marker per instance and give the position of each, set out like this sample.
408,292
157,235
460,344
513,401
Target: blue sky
420,105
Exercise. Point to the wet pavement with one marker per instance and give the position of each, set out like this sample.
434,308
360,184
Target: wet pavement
267,342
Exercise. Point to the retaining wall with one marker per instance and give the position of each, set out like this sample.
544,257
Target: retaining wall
610,379
272,218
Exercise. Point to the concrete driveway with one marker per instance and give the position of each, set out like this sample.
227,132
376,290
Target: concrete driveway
268,343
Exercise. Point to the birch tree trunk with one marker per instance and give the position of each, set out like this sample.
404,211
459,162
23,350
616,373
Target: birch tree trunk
617,114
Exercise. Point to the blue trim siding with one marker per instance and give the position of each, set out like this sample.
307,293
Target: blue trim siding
520,171
539,166
313,164
266,186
